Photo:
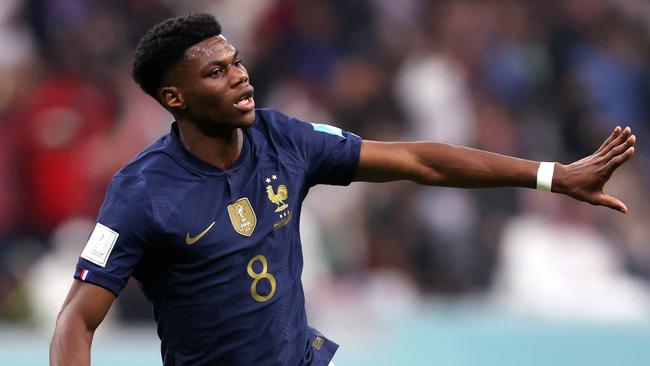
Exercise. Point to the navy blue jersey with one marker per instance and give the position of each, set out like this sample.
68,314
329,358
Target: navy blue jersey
218,252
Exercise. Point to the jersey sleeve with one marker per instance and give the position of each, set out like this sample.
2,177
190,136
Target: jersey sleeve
124,226
331,155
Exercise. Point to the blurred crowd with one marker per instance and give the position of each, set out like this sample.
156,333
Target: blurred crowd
540,80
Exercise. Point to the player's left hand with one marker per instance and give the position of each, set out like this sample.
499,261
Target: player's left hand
584,179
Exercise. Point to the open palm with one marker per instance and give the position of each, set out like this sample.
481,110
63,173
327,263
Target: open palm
584,179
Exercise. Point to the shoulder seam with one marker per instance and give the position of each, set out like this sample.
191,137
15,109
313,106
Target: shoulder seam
145,194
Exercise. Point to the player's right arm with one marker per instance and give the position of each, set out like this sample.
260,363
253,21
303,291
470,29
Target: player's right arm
113,250
83,310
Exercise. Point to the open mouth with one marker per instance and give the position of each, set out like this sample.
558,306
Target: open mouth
246,103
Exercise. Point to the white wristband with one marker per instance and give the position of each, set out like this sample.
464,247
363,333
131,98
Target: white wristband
545,176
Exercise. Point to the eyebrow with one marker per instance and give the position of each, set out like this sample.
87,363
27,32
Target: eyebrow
223,62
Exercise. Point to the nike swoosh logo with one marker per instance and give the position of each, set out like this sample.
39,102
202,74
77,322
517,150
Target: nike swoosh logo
191,240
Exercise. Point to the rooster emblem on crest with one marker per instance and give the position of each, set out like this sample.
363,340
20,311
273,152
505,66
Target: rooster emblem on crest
278,197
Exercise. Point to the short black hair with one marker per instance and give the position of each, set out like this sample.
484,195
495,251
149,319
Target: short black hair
164,45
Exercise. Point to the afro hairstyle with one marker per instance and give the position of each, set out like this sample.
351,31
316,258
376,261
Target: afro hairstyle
164,46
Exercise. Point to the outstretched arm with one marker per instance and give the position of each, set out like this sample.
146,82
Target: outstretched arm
437,164
83,310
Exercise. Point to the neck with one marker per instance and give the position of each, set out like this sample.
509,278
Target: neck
218,149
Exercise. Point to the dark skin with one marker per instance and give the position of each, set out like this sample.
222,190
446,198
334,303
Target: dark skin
201,93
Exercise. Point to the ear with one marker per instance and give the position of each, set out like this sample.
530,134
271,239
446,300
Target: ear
172,98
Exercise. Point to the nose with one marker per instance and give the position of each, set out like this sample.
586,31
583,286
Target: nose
238,75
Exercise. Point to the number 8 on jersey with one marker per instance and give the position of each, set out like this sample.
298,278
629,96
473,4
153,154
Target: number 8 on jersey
264,274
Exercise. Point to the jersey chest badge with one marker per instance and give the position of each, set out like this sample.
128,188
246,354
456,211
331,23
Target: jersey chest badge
278,196
242,216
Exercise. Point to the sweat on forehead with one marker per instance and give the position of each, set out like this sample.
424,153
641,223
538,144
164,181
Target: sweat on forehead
212,46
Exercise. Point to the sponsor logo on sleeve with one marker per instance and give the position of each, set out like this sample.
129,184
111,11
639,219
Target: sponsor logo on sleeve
100,244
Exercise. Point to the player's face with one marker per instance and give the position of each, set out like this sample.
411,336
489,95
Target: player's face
215,86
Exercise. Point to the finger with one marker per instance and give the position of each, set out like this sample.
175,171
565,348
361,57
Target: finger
619,160
620,149
611,137
622,138
611,202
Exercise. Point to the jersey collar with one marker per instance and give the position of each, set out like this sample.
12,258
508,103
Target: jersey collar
193,163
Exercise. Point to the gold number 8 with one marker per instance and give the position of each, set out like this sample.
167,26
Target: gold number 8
258,276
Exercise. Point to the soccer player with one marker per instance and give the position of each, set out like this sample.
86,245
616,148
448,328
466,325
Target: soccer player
206,218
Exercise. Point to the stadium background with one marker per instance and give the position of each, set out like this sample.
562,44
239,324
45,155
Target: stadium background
398,274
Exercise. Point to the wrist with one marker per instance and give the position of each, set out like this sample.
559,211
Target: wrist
560,177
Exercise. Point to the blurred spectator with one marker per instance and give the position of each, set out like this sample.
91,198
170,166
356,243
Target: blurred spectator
558,267
540,80
62,122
